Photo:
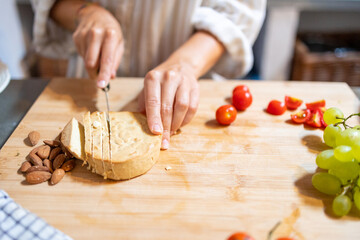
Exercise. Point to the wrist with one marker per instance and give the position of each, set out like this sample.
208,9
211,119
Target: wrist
85,9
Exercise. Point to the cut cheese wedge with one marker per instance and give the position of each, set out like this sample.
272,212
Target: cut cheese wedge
73,138
129,151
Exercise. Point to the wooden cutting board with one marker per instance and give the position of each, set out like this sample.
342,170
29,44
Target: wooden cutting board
245,177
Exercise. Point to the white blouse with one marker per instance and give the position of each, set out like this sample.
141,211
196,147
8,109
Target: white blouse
153,29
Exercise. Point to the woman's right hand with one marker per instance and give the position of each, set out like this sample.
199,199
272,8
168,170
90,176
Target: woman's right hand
99,40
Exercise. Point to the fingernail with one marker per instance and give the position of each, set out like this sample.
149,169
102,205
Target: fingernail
156,128
102,84
165,144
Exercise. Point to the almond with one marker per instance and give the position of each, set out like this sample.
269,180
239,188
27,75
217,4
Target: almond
52,143
37,177
68,165
58,161
35,159
57,176
67,153
25,166
54,153
47,163
34,137
37,168
35,150
44,151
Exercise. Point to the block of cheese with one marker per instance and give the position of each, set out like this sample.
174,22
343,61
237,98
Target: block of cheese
129,151
73,138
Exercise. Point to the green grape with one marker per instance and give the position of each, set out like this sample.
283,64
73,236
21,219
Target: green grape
343,153
357,127
341,205
330,134
358,182
356,151
331,115
326,183
348,137
326,159
356,198
345,171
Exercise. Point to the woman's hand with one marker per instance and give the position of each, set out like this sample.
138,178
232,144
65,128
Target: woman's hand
99,40
170,98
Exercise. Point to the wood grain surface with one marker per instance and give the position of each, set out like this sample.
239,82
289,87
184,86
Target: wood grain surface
245,177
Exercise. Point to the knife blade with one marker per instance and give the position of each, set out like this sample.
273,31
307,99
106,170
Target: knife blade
106,90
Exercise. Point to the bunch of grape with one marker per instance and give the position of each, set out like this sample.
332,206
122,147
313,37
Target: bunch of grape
342,162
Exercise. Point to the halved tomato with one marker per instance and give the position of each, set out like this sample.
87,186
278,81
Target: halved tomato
292,103
302,116
316,105
323,123
315,119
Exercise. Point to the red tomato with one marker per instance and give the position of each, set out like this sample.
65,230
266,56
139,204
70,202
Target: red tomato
315,119
241,100
316,105
276,107
226,114
292,103
243,88
301,117
240,236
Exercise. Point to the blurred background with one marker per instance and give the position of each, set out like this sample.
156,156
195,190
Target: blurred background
309,40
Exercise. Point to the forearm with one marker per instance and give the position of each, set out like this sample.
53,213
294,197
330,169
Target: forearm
200,52
65,13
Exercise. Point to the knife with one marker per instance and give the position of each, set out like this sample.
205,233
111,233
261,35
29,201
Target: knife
106,89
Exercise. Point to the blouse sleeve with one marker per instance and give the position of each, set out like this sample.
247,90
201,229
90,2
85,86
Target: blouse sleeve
50,40
236,24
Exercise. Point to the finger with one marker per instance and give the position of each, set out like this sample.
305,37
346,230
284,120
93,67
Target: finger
118,56
182,99
193,105
152,94
141,102
107,58
94,41
168,90
79,37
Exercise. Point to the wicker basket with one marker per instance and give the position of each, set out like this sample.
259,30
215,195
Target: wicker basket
328,62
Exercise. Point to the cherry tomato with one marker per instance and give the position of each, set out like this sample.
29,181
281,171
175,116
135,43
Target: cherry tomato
301,117
243,88
226,114
315,105
292,103
276,107
240,236
241,100
315,119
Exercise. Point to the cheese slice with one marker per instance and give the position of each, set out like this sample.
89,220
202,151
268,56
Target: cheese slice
88,139
73,138
96,134
105,144
129,151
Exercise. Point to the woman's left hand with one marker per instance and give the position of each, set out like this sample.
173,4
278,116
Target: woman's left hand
170,98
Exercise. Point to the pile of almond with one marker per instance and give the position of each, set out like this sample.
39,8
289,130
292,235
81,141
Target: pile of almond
49,161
